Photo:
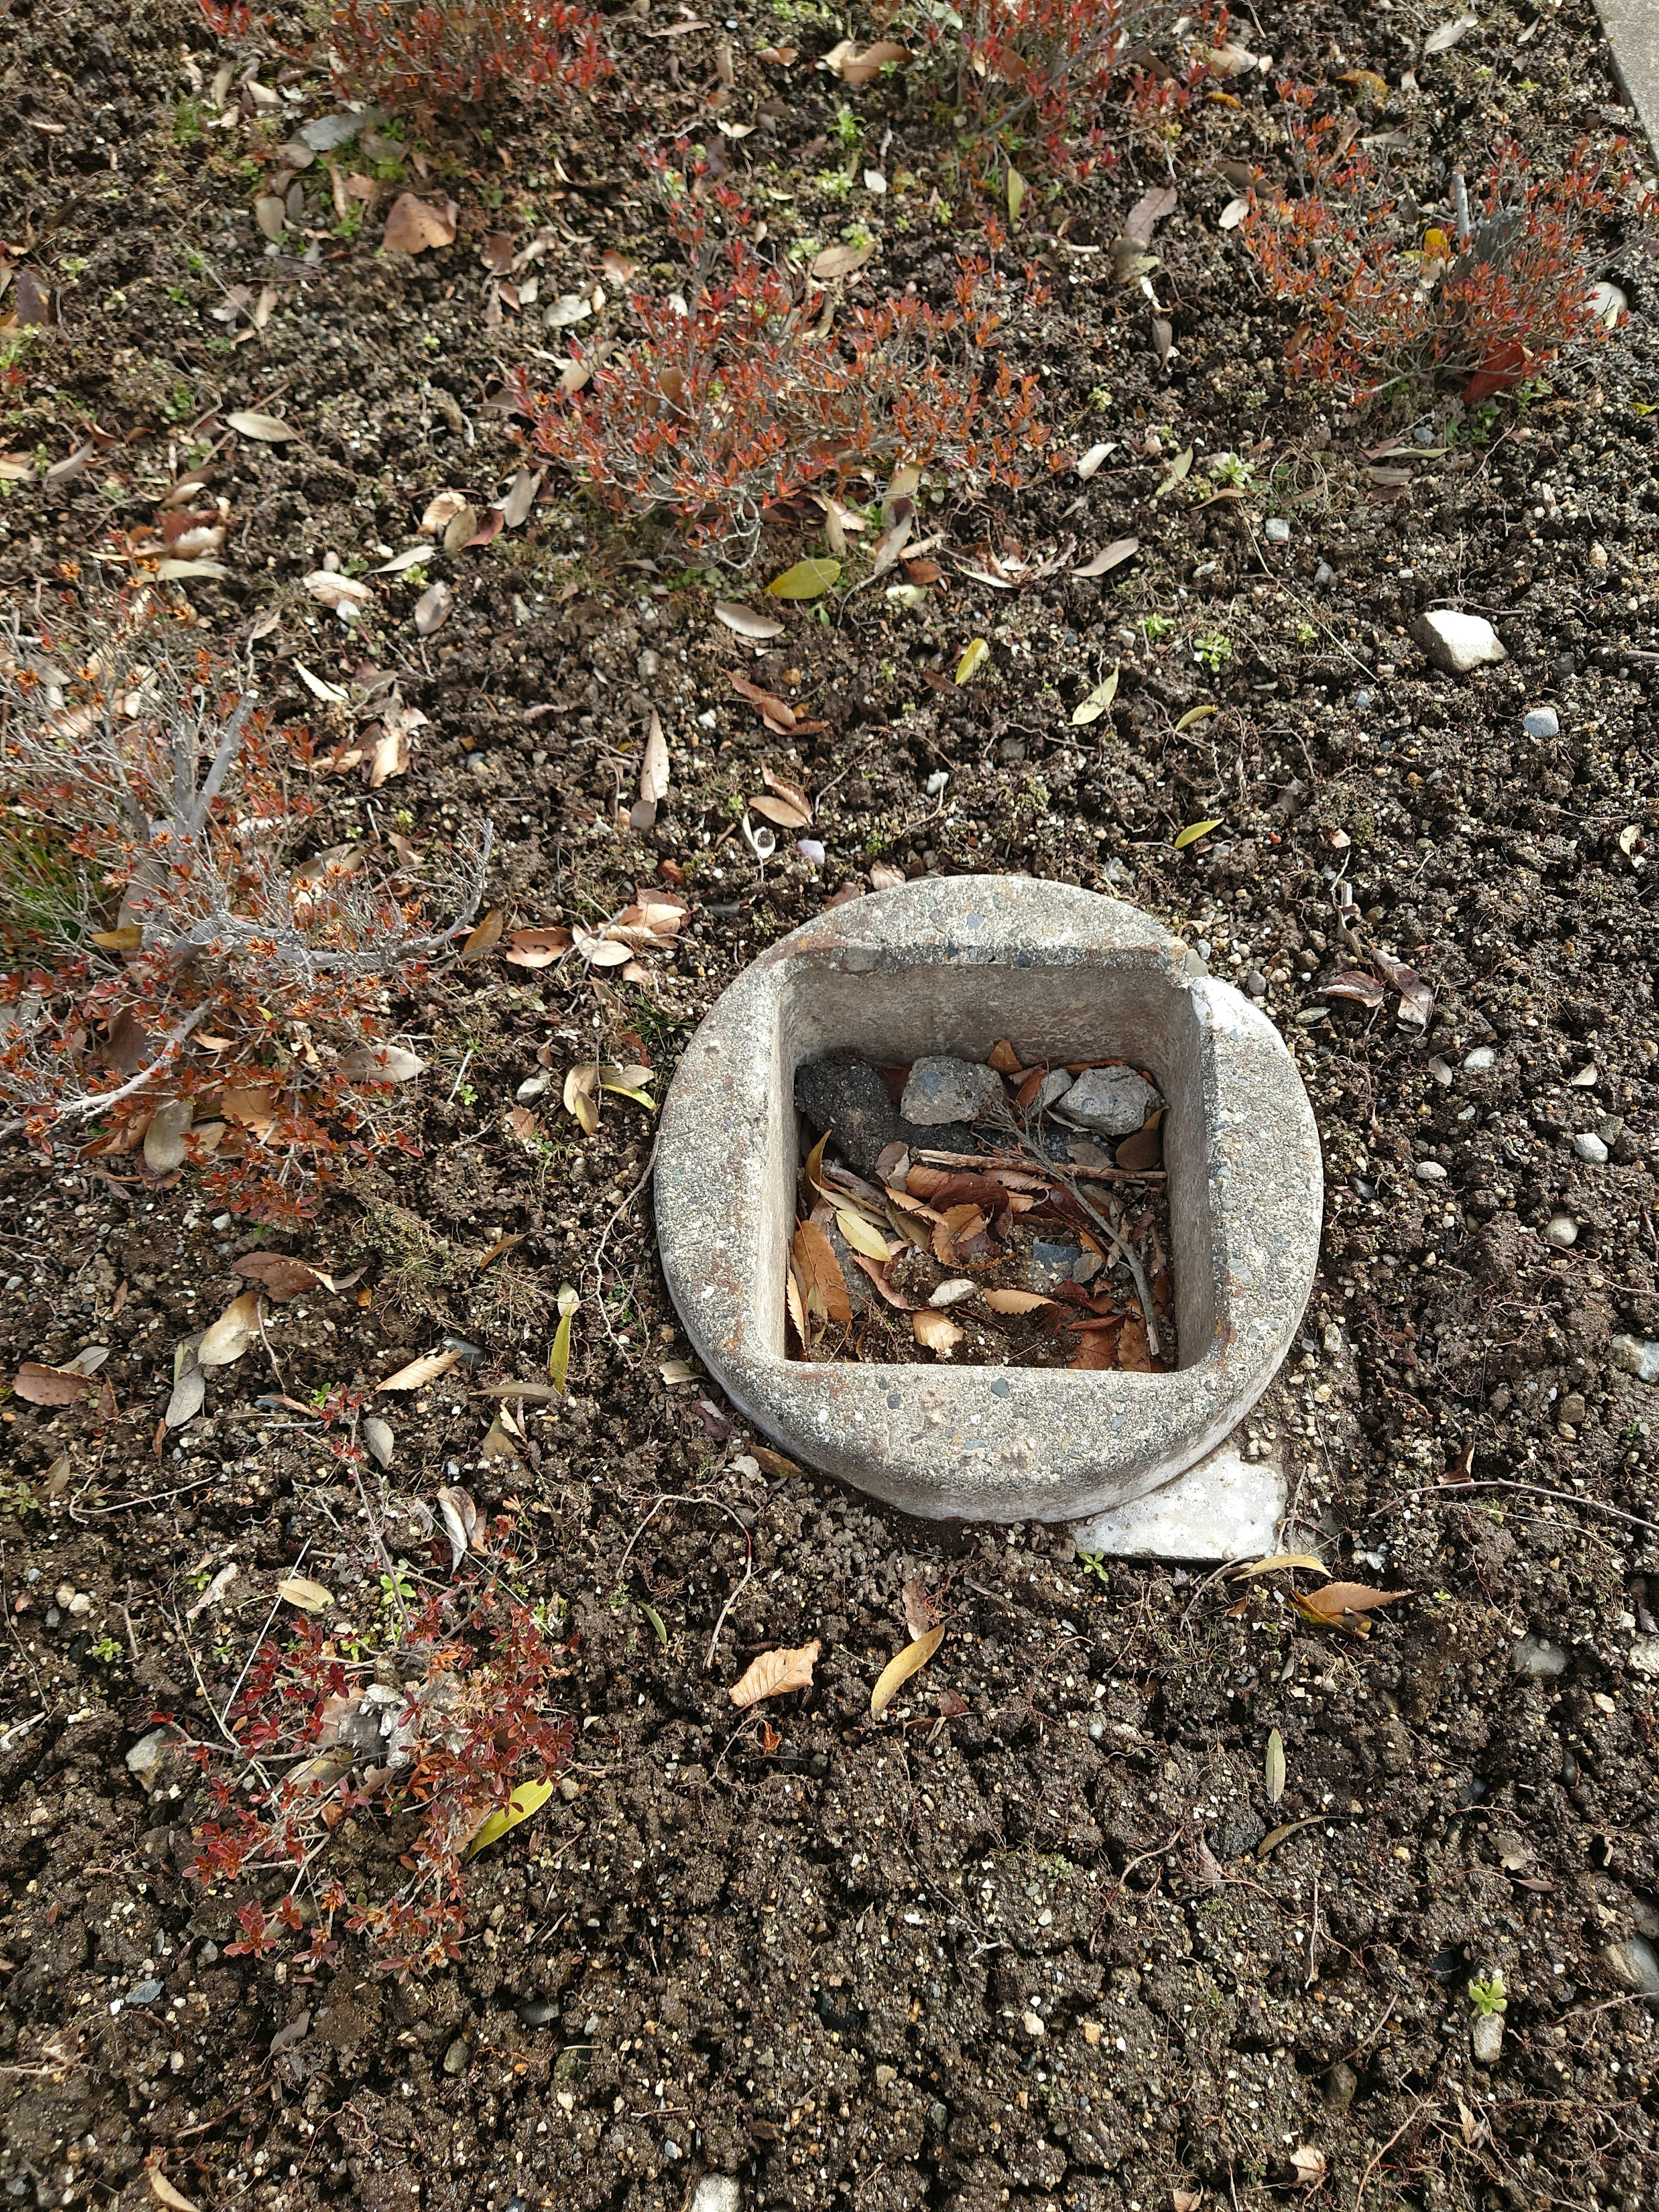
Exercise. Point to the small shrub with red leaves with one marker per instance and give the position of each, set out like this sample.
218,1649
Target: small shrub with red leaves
166,948
1053,74
452,57
1476,299
428,1735
741,393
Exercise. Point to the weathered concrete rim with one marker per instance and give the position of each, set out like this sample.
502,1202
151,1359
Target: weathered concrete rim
1000,1444
1632,32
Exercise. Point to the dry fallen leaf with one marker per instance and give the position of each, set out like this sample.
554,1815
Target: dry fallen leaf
897,1672
426,1369
165,2193
1274,1770
773,1673
380,1063
460,1521
538,948
746,622
279,1276
856,66
309,1596
820,1276
935,1331
51,1386
1279,1560
1309,2165
919,1616
653,767
1016,1302
432,608
229,1337
266,428
412,224
1344,1605
1118,551
164,1139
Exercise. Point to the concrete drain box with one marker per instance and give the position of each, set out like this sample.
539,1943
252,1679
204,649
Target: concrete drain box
949,965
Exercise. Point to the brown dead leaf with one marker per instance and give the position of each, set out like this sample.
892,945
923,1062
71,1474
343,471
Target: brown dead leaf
1144,1150
790,793
1002,1057
820,1276
279,1276
1015,1301
51,1386
229,1337
1096,1352
1344,1605
413,225
427,1369
935,1331
856,67
1310,2164
484,938
773,1673
897,1672
918,1614
884,877
538,948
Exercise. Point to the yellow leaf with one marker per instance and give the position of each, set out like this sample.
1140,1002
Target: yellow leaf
558,1360
1193,831
972,660
119,940
936,1332
897,1672
309,1596
1097,700
488,933
1016,194
581,1101
1280,1559
814,1168
529,1797
807,580
1195,714
627,1090
1437,243
775,1672
862,1237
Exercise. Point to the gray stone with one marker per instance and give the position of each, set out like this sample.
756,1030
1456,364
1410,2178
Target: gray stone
1324,574
1536,1659
1480,1059
1277,531
1227,1507
146,1992
948,965
1541,722
540,2012
1635,1965
1053,1263
1572,1408
1114,1100
1239,1835
942,1090
145,1756
1562,1232
1644,1655
1430,1171
1341,2084
1256,984
1458,643
323,134
1635,1356
717,2192
456,2056
1486,2039
850,1101
1590,1149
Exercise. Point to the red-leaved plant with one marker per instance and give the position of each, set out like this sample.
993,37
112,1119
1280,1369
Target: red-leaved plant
452,57
1479,299
433,1733
742,391
167,951
1049,73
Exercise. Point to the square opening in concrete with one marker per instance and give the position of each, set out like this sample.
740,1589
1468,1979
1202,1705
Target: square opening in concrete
950,965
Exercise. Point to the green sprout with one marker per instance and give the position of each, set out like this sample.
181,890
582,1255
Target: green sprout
1488,1997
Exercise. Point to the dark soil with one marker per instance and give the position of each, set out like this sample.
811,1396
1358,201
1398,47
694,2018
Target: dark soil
1038,1953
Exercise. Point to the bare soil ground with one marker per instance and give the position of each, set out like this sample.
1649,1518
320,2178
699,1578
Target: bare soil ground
1041,1951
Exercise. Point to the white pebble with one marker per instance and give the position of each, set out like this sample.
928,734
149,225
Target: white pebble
1562,1232
1430,1171
1589,1148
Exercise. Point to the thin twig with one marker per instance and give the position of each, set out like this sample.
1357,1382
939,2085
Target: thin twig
1022,1160
97,1103
1449,1492
275,1601
676,1498
1386,2147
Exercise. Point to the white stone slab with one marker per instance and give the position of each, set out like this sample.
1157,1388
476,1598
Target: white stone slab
1227,1507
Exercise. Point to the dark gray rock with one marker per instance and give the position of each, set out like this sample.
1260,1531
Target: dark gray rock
850,1100
942,1090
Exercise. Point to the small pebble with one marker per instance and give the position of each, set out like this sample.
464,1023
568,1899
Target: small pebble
1644,1655
1486,2039
1536,1659
1279,533
1341,2084
936,782
1562,1232
717,2192
1636,1357
1481,1058
456,2056
1587,1078
1589,1147
810,850
1636,1964
1430,1171
1458,643
1362,701
1541,722
1114,1100
941,1090
1256,984
1571,1408
1324,574
144,1993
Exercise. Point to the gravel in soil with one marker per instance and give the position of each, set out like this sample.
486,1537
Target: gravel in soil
1037,1938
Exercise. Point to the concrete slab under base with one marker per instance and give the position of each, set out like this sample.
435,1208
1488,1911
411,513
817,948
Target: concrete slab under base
1227,1507
1632,29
